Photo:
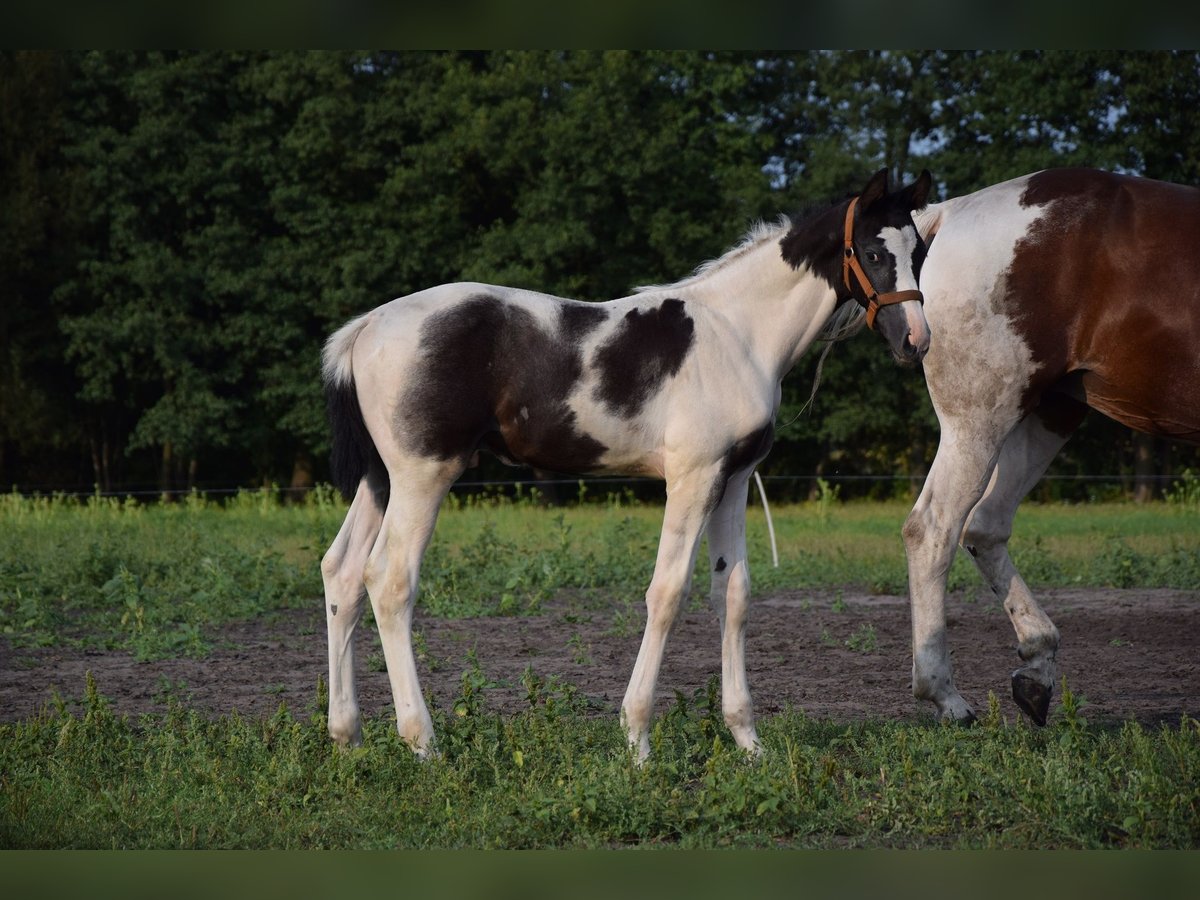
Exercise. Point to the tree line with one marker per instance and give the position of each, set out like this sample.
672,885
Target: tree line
179,231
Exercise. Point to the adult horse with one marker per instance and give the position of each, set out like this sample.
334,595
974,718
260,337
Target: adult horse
1048,294
681,382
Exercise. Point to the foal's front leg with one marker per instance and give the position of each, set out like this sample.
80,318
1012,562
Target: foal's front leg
688,501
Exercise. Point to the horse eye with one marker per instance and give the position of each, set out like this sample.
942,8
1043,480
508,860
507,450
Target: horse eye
872,256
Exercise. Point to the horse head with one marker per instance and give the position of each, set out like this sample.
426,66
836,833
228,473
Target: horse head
882,258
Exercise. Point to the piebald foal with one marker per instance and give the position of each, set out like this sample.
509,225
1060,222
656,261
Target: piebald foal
681,382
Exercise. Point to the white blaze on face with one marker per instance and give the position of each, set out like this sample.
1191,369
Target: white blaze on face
902,243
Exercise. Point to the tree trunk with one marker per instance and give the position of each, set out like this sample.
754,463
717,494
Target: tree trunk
105,463
1143,467
302,474
97,470
164,476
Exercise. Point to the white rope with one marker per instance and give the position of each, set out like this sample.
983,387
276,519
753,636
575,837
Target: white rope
762,492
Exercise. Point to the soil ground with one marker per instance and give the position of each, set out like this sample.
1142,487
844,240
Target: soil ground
840,655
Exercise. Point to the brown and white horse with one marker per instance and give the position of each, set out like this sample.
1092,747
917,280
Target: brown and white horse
1048,294
680,381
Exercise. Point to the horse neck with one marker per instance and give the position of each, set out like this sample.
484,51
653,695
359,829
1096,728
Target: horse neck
775,310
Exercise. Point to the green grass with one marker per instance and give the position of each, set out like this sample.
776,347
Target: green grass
551,777
157,580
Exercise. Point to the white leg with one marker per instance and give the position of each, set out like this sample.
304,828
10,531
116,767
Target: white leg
1023,460
956,480
683,523
730,599
391,576
342,573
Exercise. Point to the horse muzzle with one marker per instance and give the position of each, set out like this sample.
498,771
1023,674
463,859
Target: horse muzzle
902,324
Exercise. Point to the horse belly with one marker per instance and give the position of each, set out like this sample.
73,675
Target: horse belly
544,437
1158,407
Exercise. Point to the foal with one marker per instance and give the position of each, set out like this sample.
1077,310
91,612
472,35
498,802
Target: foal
680,382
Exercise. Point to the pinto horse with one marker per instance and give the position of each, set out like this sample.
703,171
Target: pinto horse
681,382
1048,294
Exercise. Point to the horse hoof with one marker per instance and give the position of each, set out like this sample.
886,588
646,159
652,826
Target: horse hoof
1032,696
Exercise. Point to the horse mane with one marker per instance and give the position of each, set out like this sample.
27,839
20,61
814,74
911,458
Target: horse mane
759,232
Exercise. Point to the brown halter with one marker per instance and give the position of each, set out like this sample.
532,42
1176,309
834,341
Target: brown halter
851,264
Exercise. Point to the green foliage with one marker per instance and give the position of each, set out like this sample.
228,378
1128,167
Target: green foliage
554,777
1184,494
151,580
183,229
863,640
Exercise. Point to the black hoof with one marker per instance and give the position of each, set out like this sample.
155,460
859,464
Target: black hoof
1032,697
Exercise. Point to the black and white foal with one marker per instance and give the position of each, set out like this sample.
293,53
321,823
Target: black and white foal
681,382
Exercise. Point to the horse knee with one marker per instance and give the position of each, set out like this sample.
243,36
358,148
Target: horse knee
662,603
343,588
332,563
914,530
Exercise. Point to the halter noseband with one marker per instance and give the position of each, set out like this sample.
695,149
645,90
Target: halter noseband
850,264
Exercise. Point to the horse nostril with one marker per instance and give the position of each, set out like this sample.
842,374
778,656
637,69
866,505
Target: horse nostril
914,352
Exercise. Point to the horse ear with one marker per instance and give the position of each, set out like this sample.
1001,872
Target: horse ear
916,195
876,188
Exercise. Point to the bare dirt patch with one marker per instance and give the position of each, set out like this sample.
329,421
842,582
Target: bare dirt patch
1132,654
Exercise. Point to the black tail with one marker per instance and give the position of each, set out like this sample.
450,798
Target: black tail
354,453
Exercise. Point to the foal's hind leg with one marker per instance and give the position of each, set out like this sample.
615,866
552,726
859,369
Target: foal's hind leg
730,599
391,577
1023,460
683,522
342,573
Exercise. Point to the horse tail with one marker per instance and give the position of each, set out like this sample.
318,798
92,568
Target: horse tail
354,454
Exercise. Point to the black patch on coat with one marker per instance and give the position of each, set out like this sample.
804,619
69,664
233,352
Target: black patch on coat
720,566
745,454
647,347
577,320
354,454
490,377
816,241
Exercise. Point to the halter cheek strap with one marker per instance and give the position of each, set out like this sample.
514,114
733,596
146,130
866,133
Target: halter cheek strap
850,263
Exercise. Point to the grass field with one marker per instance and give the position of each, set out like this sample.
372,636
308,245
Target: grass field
552,777
151,578
155,580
